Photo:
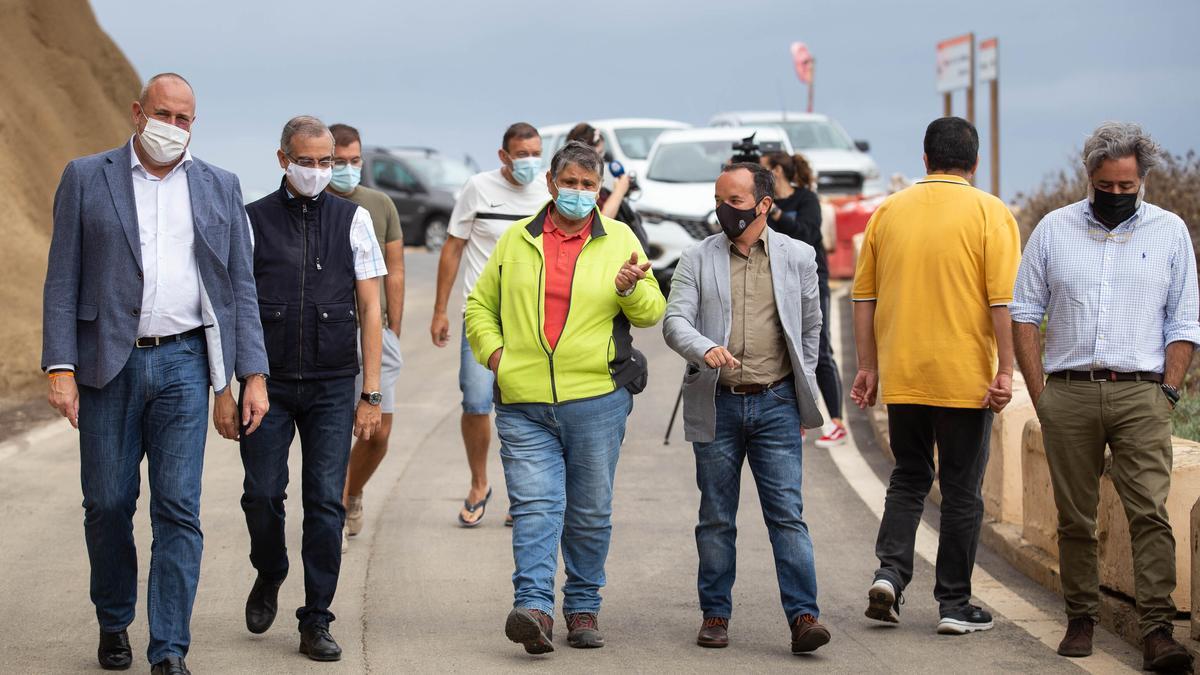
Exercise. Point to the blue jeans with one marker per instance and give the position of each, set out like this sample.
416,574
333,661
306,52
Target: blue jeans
323,412
474,381
156,407
559,463
764,429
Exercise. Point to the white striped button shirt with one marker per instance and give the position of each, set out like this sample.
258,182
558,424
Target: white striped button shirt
1112,300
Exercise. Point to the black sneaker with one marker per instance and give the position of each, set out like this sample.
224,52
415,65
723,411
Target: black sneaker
968,619
884,602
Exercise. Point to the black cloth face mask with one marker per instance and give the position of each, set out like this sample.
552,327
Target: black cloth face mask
734,221
1112,208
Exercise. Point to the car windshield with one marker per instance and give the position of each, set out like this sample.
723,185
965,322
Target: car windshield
636,142
440,172
689,161
816,135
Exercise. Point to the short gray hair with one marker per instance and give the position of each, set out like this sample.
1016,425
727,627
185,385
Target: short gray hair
1116,140
162,76
579,154
306,126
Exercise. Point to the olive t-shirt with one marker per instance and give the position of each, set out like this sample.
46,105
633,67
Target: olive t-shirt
387,224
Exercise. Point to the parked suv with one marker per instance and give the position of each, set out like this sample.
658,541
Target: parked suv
628,139
423,183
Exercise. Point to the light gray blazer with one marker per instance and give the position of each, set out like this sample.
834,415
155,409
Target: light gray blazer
698,319
94,278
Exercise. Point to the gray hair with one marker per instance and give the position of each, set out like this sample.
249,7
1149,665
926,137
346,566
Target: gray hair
1116,140
306,126
162,76
579,154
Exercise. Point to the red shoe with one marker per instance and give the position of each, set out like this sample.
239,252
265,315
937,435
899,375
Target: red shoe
835,437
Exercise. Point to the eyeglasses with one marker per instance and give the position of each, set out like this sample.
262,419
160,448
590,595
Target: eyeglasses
310,163
1102,235
343,163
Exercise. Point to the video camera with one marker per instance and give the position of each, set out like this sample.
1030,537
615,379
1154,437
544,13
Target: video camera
747,150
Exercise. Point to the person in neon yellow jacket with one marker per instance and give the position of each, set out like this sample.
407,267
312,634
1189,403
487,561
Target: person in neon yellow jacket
551,315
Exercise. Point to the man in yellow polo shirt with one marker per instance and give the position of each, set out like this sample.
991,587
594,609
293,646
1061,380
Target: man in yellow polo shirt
931,296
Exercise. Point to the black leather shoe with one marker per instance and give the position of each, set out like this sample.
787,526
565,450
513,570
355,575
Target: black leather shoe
317,644
262,605
114,652
172,665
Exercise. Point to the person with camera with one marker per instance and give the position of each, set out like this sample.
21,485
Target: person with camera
797,213
613,200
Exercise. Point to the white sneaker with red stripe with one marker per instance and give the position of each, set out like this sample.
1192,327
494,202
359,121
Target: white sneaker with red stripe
835,435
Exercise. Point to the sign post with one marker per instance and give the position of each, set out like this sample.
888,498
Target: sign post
955,70
805,64
989,71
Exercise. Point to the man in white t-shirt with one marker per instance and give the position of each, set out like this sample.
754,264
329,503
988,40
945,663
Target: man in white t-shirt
490,203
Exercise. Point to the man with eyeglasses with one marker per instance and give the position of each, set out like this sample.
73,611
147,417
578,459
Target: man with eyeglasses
1115,279
149,300
317,266
366,455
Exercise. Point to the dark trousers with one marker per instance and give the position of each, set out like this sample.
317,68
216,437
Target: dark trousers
323,412
962,436
829,381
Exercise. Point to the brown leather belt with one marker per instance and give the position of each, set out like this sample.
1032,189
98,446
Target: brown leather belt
1104,375
743,389
144,342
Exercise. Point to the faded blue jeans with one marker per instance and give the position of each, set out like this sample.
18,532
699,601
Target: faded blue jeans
157,408
559,464
765,430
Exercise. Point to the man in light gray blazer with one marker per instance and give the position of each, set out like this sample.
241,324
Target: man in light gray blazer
745,313
149,301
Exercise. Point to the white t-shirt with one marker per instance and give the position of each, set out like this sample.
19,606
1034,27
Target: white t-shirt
487,207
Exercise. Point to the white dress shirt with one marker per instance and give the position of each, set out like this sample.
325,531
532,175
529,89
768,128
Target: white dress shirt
171,279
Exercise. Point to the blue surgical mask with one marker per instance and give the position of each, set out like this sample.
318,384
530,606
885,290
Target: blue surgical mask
526,169
346,178
575,204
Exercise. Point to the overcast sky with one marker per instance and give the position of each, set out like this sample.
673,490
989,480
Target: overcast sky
453,73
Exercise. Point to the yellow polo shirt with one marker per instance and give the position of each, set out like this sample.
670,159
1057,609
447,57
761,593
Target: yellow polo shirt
935,259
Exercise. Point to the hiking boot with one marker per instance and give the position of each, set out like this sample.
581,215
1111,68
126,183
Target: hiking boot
532,628
969,619
354,515
1078,641
808,634
1161,653
583,632
883,602
714,633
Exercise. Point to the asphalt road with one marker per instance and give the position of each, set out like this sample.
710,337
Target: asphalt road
419,594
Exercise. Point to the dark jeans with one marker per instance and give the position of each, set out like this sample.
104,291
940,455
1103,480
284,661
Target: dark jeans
829,380
156,407
962,437
763,429
323,412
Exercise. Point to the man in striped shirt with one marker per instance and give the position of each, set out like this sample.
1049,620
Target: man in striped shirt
1115,279
489,204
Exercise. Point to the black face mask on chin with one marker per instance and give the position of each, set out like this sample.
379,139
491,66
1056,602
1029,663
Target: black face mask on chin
734,221
1113,209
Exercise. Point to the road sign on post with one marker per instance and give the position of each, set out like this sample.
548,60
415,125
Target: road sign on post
989,71
956,70
804,63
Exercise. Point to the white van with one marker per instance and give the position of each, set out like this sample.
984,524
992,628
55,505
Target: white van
629,139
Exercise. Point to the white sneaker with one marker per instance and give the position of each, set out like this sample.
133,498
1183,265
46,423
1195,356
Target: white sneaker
354,515
883,604
345,540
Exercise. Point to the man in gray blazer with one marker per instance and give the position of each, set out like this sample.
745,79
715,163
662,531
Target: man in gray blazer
745,313
149,300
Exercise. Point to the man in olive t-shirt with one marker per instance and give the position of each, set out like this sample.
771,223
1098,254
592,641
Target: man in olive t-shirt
365,456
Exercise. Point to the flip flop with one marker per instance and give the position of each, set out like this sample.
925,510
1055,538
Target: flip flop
480,505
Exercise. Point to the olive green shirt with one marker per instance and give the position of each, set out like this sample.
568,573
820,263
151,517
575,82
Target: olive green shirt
386,220
756,336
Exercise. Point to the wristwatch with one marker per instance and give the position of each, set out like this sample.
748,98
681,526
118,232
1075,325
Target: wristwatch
1172,394
372,397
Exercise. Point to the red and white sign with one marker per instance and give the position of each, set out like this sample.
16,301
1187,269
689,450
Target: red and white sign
989,59
803,61
954,63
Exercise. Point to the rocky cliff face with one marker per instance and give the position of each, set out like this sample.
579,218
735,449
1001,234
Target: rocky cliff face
65,91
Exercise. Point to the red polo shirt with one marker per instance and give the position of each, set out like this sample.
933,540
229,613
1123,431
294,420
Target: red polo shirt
561,251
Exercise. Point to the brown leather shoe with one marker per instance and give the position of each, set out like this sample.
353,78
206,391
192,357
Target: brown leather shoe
714,633
532,628
808,634
1160,652
583,632
1078,641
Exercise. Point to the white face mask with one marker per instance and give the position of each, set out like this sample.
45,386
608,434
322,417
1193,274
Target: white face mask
163,142
306,181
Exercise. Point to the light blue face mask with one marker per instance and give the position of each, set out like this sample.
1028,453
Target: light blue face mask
346,178
575,204
526,169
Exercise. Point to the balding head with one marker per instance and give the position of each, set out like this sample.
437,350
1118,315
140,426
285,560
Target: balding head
166,97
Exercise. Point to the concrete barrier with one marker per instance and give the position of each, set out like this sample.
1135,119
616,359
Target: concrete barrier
1003,498
1196,570
1039,515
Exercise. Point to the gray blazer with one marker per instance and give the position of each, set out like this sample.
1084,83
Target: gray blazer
698,319
94,277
